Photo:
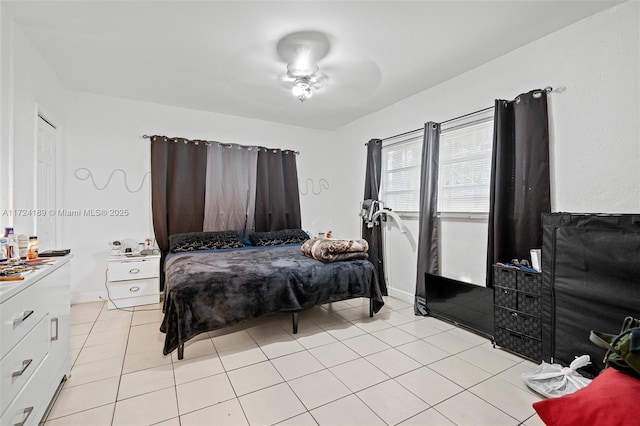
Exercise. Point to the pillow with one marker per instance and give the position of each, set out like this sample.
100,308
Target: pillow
610,399
191,241
272,238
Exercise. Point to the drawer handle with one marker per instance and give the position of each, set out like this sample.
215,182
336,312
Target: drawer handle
54,338
26,411
25,364
134,289
134,270
25,315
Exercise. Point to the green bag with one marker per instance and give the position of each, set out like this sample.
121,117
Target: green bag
623,350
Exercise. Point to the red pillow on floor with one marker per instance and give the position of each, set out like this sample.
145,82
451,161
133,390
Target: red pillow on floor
611,399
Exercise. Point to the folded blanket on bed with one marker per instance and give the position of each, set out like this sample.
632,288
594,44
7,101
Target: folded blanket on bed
330,250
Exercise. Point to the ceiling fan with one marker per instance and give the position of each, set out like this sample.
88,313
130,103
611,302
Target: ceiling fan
302,62
301,51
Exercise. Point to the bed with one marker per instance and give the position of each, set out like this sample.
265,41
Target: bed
208,288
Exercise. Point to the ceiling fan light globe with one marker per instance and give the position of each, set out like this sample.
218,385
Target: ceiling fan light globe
297,70
302,92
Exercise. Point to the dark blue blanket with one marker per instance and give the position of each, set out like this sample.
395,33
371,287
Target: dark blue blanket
209,290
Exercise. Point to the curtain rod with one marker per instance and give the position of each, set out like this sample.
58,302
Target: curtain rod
547,89
228,145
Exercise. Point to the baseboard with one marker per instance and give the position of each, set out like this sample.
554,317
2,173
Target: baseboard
401,295
88,297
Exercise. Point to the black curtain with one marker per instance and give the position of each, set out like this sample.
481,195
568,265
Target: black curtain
277,196
178,172
427,233
373,235
520,182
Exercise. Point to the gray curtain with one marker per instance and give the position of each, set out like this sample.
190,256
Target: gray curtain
230,188
177,189
277,196
520,182
427,235
373,235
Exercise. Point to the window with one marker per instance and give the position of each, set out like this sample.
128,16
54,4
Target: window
465,166
464,170
400,181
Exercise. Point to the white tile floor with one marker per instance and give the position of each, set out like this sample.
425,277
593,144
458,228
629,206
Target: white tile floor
342,368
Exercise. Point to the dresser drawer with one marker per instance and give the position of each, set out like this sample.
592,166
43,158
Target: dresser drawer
529,303
504,277
22,361
19,315
29,405
133,288
133,269
519,343
518,322
530,282
506,297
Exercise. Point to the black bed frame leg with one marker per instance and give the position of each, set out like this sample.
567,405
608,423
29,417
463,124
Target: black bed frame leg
295,323
181,351
371,306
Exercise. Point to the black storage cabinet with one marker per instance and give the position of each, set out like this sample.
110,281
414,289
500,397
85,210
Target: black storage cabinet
591,275
517,311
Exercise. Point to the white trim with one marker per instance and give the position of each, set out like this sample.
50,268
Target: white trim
9,115
471,216
401,295
88,297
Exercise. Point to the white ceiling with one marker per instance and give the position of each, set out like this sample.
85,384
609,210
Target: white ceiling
220,56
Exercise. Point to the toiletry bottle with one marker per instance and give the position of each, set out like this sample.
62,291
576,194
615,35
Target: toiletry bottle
3,248
23,246
14,249
33,247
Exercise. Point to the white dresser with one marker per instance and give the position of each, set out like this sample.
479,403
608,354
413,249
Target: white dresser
133,281
34,342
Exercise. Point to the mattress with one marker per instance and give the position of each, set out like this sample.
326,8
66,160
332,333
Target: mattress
211,289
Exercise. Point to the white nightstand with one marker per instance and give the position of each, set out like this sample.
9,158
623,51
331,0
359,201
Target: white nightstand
133,281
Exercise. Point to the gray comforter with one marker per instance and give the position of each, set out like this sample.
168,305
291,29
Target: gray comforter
208,290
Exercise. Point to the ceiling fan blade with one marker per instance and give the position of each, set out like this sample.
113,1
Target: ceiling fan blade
309,45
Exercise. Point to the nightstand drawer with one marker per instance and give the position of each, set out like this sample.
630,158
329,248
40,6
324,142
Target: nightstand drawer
133,288
133,269
21,362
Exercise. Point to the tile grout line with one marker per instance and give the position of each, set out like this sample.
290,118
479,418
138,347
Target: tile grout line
323,328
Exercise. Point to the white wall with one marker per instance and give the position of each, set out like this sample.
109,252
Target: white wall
595,125
28,86
105,134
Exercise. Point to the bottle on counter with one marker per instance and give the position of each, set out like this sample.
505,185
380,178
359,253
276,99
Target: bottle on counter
23,246
12,249
4,248
32,252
